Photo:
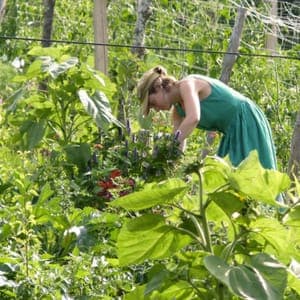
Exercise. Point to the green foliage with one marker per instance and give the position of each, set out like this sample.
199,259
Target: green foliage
250,254
48,106
65,160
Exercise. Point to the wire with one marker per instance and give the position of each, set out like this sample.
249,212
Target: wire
149,47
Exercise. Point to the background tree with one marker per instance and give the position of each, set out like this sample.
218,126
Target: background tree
48,22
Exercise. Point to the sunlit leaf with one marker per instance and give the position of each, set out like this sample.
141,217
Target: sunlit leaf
152,195
148,237
273,232
215,173
293,217
251,179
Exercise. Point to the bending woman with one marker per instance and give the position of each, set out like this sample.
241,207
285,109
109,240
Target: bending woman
207,103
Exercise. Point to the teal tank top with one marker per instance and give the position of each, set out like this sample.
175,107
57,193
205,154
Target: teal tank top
219,108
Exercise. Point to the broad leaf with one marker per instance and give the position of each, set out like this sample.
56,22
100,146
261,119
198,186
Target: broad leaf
33,132
293,217
97,106
251,179
152,195
218,268
78,154
263,279
273,272
228,201
274,233
148,237
180,290
215,173
45,194
294,282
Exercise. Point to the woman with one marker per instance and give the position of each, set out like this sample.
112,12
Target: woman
207,103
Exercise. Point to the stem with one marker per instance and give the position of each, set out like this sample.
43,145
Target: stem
206,232
199,230
190,234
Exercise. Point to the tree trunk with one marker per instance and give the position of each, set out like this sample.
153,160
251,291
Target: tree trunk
100,35
143,14
294,162
48,22
2,9
228,62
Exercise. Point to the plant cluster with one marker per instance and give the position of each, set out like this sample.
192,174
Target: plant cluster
230,240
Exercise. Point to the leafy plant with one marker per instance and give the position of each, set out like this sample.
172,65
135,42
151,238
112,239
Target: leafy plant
48,106
217,243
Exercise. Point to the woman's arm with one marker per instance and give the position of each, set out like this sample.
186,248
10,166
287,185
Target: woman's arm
190,97
177,120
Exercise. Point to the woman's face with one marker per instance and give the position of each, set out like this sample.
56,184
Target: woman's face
158,100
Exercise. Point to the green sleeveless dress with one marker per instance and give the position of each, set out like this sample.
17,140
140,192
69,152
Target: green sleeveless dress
243,124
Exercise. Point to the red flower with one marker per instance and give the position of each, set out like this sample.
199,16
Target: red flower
115,173
106,184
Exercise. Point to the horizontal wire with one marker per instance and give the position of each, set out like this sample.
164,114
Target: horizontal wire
149,47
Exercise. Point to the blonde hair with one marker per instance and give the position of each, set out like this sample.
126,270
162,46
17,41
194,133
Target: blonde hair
147,85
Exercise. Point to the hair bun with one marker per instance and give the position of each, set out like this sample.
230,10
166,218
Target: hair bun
160,70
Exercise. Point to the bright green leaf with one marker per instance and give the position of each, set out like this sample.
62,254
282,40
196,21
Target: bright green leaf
273,232
152,195
148,237
251,179
293,217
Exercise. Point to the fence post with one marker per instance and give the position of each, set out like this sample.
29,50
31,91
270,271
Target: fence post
100,35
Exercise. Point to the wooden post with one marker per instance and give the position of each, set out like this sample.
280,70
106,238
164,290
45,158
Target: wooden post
294,162
271,39
2,9
100,35
228,62
229,59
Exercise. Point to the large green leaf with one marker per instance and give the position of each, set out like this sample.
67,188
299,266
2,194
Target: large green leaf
33,132
78,154
273,272
228,201
293,217
180,290
148,237
153,194
251,179
294,282
215,173
264,278
97,106
274,233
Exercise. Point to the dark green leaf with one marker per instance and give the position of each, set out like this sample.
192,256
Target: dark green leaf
78,154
